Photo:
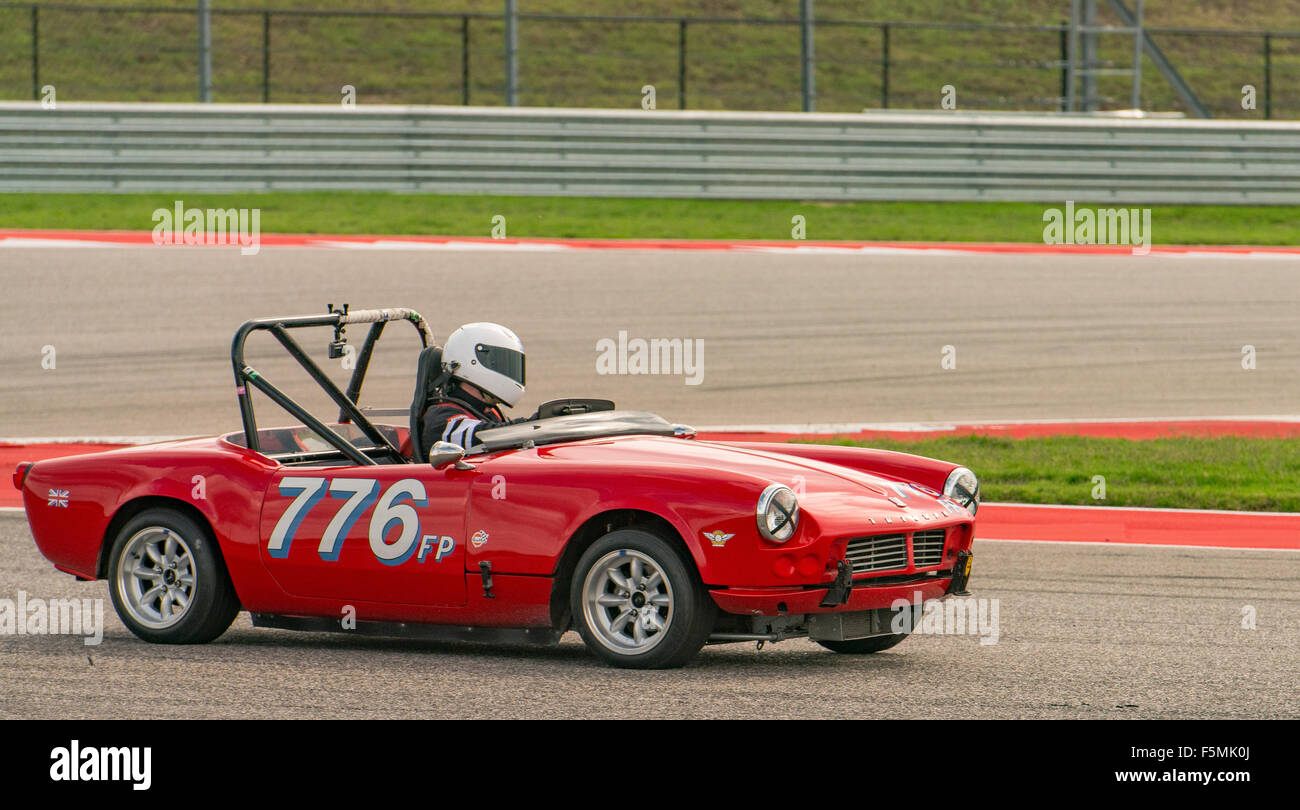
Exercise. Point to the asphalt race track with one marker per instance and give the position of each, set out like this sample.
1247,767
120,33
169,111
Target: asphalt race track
141,341
1084,631
141,335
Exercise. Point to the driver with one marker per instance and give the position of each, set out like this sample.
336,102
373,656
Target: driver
486,366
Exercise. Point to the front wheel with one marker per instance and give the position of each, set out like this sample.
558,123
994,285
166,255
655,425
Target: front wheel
637,604
167,581
861,646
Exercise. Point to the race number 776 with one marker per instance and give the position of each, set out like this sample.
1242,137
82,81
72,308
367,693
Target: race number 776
395,508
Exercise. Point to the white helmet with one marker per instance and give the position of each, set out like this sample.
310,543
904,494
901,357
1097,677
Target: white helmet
488,356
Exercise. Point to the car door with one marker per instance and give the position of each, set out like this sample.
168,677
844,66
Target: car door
385,533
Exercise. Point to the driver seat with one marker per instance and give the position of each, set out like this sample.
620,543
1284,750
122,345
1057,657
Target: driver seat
429,377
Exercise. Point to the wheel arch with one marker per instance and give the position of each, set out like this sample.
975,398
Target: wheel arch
596,527
144,503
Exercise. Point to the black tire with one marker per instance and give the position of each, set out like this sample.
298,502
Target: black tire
862,646
211,602
687,620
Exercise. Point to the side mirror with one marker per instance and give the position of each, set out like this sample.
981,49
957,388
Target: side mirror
444,453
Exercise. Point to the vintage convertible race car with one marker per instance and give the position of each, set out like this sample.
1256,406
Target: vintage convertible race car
648,541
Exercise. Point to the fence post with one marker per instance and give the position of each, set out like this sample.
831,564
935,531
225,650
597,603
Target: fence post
884,66
1137,58
205,51
266,56
1268,76
36,49
1065,68
1072,63
807,57
681,64
464,60
1091,61
512,53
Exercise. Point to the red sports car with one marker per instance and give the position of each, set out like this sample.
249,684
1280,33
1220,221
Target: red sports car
623,526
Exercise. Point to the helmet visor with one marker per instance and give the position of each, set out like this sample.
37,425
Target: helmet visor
501,360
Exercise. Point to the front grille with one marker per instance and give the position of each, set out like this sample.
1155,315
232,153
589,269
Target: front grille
927,548
888,552
883,552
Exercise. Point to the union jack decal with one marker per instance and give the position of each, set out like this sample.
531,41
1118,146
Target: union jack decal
58,497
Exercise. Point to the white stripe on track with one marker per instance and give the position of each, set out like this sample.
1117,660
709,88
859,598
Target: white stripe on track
90,439
1133,545
952,250
817,428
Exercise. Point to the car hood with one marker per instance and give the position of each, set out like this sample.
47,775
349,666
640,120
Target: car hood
831,492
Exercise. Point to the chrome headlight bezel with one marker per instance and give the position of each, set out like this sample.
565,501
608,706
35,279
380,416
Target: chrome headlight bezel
770,508
963,487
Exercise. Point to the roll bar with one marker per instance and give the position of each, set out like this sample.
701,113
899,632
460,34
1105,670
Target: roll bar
339,319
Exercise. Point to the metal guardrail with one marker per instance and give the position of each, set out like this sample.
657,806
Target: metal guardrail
89,147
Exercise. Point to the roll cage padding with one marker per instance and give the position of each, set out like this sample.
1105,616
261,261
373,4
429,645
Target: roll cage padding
385,315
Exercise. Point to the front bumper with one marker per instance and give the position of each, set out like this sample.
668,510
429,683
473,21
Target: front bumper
868,593
785,601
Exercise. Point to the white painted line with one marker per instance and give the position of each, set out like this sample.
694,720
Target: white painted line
798,428
937,249
832,427
401,244
1173,510
1131,545
1211,254
902,427
21,242
91,439
850,250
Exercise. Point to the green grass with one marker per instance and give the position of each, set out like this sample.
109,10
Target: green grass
1185,473
471,215
124,56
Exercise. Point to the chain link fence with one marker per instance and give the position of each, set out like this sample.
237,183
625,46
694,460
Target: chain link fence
149,53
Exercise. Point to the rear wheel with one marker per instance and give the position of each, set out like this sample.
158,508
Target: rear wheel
167,582
861,646
637,604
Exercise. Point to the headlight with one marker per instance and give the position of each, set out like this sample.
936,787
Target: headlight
778,513
963,487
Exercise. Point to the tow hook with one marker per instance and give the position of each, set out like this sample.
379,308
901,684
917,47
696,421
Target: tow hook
960,574
840,588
